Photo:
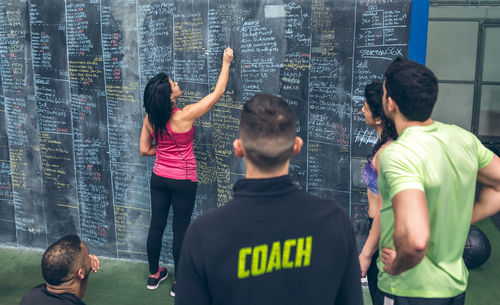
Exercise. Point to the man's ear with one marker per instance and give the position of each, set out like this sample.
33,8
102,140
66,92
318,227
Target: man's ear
238,148
81,273
391,105
297,146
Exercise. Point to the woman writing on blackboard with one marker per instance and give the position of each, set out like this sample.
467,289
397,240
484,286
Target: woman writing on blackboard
173,181
374,117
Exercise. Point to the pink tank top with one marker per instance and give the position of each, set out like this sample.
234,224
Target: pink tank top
175,155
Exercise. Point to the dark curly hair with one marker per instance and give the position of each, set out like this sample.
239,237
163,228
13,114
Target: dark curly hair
413,87
157,103
59,258
373,96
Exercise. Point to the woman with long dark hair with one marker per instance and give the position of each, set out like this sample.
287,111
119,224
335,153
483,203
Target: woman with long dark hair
374,117
173,181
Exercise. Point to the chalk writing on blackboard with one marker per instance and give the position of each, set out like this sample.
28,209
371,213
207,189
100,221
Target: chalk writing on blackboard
72,78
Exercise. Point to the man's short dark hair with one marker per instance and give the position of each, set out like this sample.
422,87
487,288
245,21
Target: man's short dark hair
267,131
413,87
59,259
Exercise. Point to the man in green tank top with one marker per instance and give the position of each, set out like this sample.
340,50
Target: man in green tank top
427,181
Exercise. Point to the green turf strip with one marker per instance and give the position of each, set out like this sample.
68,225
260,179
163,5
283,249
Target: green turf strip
484,281
124,282
117,282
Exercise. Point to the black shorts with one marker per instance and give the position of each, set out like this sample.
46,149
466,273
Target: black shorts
388,299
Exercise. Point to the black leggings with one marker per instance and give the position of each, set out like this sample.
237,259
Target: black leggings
181,194
372,277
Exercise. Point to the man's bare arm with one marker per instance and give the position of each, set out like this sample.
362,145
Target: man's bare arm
488,202
411,232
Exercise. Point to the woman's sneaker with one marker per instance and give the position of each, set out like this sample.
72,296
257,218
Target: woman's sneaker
154,280
172,290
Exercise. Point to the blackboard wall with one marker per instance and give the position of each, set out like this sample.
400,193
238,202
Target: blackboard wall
72,77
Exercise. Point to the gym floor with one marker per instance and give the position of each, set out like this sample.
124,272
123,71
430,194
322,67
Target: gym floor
124,282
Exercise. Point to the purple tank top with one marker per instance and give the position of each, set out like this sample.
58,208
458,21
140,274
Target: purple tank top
370,176
175,155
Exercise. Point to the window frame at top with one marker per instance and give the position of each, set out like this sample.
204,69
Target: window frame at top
476,107
465,3
480,54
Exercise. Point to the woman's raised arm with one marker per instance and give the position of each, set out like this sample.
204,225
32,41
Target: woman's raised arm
194,111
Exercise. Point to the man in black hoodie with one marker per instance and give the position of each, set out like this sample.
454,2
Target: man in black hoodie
273,243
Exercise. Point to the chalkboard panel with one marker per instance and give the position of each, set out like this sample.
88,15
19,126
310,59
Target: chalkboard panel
72,77
7,220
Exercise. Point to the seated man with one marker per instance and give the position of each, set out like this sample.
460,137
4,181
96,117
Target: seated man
66,267
273,243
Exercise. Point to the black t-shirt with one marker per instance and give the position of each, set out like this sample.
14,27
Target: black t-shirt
272,244
40,296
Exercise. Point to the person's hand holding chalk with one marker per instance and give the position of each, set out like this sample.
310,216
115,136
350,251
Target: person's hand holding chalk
228,55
